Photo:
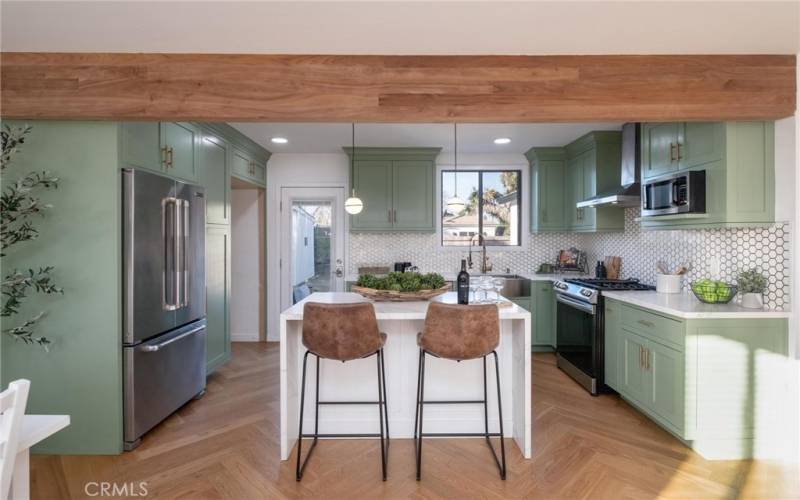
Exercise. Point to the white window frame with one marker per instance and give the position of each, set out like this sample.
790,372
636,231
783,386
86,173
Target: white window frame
524,204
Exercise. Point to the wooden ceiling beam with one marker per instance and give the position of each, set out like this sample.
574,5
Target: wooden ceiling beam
325,88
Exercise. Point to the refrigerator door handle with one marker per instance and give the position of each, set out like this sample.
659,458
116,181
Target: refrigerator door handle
168,213
184,239
179,260
156,347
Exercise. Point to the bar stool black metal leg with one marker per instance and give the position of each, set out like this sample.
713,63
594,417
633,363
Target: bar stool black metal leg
485,403
316,404
385,400
380,413
299,470
500,415
421,408
416,403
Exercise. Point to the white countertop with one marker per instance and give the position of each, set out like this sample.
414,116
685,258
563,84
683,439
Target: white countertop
685,305
530,276
415,310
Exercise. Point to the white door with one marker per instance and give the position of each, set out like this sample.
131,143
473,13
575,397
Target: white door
312,240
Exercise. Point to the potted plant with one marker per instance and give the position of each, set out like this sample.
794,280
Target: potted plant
752,285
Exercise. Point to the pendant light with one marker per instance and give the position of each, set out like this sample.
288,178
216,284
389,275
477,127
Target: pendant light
455,205
353,205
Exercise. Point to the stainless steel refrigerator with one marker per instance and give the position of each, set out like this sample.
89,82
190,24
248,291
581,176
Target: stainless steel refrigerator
164,299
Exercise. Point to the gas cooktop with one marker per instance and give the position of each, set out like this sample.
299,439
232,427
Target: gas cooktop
608,284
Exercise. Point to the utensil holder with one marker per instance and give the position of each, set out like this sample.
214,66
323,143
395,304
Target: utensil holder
668,283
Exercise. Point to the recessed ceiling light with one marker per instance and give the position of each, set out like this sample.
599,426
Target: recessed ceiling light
502,140
279,140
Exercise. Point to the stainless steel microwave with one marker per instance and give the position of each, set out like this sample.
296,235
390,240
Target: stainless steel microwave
680,193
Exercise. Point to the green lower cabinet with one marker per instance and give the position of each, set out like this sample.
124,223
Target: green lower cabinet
610,349
544,308
633,376
665,393
710,382
218,294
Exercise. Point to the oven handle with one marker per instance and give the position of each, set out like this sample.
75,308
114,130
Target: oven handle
577,304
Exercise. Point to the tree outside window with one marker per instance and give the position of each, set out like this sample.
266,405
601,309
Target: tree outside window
492,207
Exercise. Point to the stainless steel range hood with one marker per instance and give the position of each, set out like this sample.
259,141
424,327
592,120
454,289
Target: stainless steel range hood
628,194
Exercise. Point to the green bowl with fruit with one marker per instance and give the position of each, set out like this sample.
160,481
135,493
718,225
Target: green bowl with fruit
713,292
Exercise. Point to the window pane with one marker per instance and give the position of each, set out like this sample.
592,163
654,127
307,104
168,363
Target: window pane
501,208
458,228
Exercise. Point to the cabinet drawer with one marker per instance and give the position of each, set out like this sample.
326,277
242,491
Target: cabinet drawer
653,326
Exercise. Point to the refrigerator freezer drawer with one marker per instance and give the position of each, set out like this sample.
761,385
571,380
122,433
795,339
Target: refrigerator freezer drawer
161,375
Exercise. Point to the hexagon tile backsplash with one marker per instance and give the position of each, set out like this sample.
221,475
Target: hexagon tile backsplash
713,253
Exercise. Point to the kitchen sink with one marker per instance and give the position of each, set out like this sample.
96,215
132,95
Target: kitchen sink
514,286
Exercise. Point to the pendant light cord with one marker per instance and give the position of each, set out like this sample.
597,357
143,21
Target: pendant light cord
353,157
455,157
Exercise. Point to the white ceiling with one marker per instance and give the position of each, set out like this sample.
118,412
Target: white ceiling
395,27
472,137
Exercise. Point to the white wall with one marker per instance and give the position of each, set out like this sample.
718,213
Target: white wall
246,264
294,170
402,27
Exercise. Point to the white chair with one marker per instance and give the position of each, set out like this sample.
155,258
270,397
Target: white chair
12,409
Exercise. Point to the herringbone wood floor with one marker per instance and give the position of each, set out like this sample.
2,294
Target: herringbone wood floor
225,446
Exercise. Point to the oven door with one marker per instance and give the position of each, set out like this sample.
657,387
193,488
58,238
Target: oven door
576,340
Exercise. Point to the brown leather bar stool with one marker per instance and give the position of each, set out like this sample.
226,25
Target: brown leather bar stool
342,332
459,332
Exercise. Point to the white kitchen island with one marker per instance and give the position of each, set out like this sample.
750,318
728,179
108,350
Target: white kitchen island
445,379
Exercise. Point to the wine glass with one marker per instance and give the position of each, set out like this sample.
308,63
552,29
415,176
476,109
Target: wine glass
498,286
474,285
486,285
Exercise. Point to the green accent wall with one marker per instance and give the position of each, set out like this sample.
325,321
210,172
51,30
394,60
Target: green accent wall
82,374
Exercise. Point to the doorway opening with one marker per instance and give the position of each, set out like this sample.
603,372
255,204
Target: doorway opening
312,252
248,226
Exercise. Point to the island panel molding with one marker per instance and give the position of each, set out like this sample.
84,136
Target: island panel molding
325,88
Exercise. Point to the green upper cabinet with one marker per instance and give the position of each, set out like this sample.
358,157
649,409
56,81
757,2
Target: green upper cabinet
738,159
548,189
413,183
397,187
179,143
699,143
214,175
659,144
246,167
593,166
372,180
141,145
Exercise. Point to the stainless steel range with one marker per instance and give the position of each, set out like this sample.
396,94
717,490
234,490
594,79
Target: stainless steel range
579,327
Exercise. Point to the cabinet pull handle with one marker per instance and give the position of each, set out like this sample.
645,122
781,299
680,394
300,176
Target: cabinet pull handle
169,157
671,156
647,359
164,157
646,323
678,147
641,357
389,212
394,215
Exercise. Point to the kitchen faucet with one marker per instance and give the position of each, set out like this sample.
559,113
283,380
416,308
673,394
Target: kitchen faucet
485,265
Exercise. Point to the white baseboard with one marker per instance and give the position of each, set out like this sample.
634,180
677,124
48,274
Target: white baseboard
245,337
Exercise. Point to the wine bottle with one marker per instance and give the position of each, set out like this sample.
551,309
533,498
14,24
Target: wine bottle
462,284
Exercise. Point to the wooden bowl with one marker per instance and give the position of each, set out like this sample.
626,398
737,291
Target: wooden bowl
395,296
